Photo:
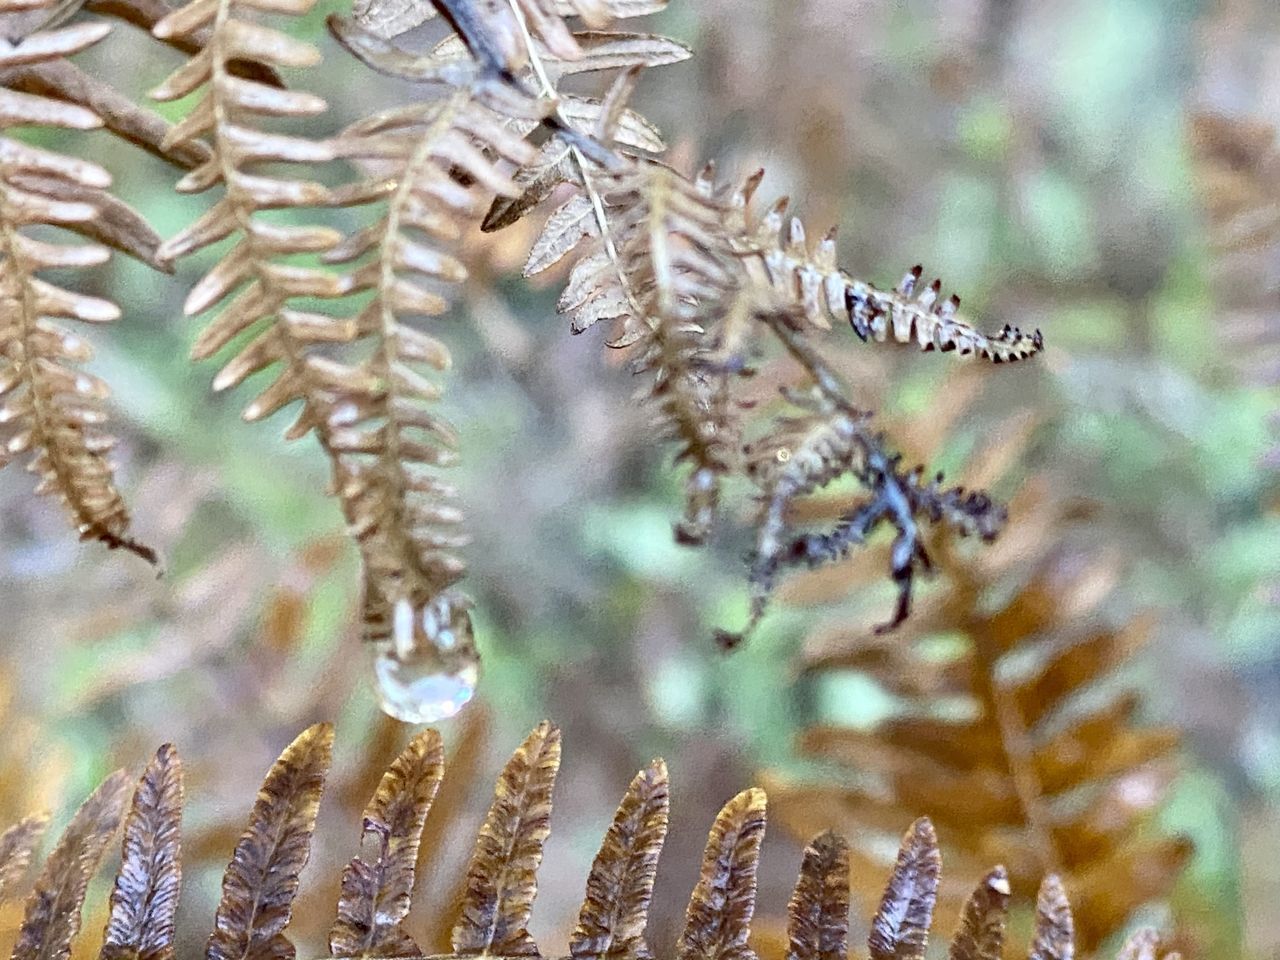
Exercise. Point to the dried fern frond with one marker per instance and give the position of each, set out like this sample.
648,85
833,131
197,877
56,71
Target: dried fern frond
360,376
56,411
144,900
262,878
51,918
1036,760
375,896
700,287
620,885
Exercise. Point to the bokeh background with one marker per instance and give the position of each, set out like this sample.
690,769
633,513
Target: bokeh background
1051,161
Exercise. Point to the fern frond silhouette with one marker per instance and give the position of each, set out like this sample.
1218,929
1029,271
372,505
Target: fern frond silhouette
262,878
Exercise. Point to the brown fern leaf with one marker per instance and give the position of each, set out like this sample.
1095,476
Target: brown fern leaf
51,917
17,846
262,878
1054,937
818,915
375,895
900,928
981,932
144,900
385,441
1042,763
502,877
56,411
777,245
718,921
620,885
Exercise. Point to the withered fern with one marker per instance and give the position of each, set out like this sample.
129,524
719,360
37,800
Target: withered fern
54,410
1007,727
262,877
701,285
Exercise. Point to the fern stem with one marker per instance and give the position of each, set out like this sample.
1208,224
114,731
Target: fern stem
548,90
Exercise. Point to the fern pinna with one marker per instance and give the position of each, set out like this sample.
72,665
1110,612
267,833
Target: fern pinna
262,879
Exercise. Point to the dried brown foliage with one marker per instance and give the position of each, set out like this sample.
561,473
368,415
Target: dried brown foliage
261,881
1007,729
699,283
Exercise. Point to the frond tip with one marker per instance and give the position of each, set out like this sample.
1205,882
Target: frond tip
501,882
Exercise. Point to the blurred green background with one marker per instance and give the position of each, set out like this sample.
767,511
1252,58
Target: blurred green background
1037,156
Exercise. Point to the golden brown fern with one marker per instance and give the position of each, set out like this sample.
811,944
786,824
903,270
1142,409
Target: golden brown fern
1005,729
357,370
263,875
54,409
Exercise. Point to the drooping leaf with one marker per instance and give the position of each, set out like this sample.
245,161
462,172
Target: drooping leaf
262,878
900,928
502,876
718,920
145,897
376,893
620,885
818,915
51,918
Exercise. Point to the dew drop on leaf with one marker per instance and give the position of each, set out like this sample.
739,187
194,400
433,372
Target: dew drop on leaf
428,669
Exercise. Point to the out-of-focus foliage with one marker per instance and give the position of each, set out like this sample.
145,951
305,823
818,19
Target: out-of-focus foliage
1038,153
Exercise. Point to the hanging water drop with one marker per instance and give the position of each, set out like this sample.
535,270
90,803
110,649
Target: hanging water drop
428,669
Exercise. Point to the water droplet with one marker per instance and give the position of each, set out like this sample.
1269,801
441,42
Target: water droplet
428,669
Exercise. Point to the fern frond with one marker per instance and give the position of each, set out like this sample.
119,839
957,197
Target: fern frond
375,896
385,441
718,920
57,411
144,900
980,935
818,914
262,878
502,877
620,885
812,279
51,917
264,872
900,928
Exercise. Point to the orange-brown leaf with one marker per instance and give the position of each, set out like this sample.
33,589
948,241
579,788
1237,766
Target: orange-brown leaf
262,878
376,895
620,885
718,920
17,844
981,933
818,915
502,876
52,916
1055,933
900,928
145,895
